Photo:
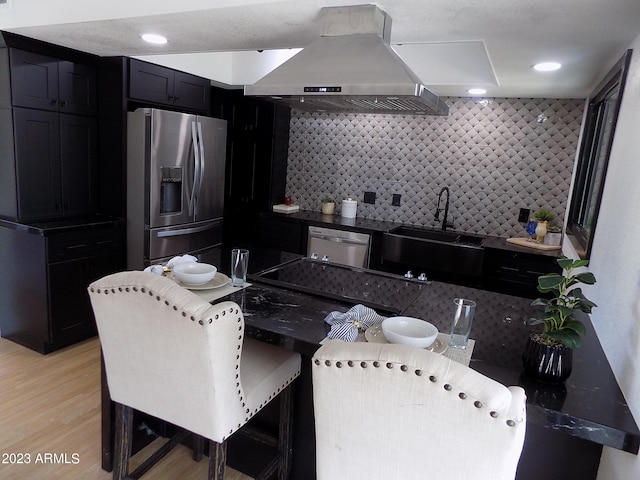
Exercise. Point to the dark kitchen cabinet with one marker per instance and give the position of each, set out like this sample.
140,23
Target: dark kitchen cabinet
44,303
55,164
46,83
516,273
257,150
159,85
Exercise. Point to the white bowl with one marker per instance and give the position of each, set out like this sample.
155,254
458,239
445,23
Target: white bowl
409,331
194,273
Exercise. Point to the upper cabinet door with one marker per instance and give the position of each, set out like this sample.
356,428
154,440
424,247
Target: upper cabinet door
191,91
78,161
77,88
157,85
37,140
150,82
34,80
45,83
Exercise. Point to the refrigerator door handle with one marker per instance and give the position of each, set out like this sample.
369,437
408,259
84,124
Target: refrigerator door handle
186,231
202,161
193,197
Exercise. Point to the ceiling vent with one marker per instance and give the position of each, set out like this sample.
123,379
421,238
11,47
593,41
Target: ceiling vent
351,68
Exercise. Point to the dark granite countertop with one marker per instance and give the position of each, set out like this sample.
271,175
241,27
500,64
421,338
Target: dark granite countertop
366,225
589,405
337,221
55,227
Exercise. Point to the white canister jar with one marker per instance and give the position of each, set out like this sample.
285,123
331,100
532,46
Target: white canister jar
349,208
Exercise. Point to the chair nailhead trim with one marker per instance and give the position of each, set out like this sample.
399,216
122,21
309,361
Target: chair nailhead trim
493,414
404,368
477,404
462,395
363,364
448,387
418,373
339,364
389,365
433,379
511,423
327,363
376,364
316,361
350,363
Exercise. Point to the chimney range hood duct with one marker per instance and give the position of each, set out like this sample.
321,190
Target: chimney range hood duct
351,68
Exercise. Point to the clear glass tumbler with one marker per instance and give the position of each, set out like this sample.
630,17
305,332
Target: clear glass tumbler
239,264
461,321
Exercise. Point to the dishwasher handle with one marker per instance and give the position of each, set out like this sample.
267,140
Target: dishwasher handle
334,239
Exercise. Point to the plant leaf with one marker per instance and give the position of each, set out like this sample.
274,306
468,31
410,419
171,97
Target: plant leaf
548,282
576,325
587,278
535,321
540,302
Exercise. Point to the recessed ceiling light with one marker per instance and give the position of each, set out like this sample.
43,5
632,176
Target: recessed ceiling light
547,66
477,91
153,38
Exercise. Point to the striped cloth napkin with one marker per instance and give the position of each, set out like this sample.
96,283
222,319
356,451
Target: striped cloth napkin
345,326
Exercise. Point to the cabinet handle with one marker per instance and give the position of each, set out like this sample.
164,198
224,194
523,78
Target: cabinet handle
253,171
54,101
63,104
72,247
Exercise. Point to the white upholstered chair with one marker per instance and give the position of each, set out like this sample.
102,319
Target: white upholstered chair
172,355
386,412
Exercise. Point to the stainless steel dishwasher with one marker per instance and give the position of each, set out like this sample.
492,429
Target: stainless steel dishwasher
339,246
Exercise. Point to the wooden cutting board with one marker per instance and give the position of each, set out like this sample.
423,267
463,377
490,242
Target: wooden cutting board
525,242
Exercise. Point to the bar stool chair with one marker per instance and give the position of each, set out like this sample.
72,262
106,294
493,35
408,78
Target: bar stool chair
174,356
387,411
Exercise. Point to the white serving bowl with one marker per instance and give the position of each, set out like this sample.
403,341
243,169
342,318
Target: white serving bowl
194,273
409,331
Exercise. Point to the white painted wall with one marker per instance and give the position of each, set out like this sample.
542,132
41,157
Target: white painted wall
615,261
229,68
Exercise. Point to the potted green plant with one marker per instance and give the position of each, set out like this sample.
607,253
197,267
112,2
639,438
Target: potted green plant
328,205
548,354
543,216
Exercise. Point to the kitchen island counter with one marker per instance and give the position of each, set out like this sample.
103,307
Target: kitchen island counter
566,425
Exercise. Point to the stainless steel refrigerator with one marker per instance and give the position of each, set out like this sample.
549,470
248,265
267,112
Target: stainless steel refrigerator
175,184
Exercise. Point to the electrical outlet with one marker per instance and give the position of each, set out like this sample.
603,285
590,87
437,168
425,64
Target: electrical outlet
395,201
370,197
523,216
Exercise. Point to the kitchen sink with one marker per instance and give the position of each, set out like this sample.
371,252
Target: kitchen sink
434,250
437,235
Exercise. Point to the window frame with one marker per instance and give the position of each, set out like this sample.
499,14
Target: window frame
593,158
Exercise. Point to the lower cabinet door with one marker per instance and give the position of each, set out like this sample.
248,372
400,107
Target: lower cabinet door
71,316
71,319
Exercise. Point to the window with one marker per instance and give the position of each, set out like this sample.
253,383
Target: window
597,137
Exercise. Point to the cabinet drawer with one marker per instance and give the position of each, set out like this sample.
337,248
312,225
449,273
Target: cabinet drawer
67,246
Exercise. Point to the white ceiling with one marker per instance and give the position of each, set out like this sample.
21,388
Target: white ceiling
451,45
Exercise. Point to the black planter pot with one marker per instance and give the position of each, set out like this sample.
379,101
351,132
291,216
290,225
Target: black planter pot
545,363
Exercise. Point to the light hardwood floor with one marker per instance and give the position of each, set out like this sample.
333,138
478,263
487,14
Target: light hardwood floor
50,414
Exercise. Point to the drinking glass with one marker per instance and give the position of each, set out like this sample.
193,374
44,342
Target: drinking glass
463,312
239,264
531,228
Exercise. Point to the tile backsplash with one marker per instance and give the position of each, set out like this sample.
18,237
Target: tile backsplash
495,155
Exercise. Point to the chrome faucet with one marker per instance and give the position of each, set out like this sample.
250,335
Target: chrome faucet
445,224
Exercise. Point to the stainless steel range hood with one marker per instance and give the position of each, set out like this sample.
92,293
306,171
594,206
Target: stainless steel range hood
351,68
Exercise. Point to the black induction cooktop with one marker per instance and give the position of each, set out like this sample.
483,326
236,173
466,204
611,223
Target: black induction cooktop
383,292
